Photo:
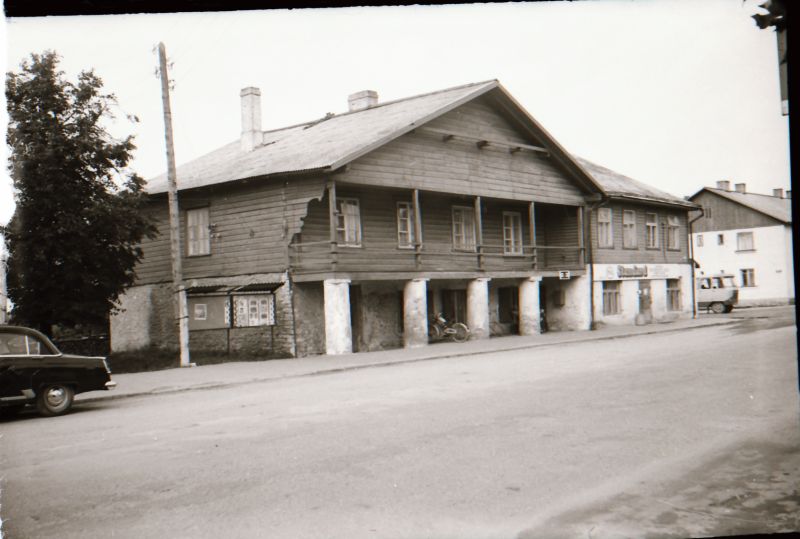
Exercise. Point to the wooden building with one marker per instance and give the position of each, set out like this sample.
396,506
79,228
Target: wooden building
749,236
347,232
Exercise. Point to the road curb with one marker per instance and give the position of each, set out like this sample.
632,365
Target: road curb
337,370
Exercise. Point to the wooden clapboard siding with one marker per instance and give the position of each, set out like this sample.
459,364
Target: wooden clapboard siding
424,161
728,215
379,250
641,255
253,223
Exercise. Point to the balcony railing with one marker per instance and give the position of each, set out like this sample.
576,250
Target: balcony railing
329,256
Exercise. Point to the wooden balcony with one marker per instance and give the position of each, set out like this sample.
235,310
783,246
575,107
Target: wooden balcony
324,256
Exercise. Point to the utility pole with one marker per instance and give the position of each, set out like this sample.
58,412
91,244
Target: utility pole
174,216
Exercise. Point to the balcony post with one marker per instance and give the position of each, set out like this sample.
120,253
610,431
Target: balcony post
417,232
332,221
479,232
581,257
532,230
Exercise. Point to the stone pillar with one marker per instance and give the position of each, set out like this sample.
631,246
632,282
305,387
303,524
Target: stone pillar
529,306
415,313
478,308
338,333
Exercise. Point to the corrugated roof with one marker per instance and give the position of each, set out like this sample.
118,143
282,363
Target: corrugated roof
777,208
619,185
319,144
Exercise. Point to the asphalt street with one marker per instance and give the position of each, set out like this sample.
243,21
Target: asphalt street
671,435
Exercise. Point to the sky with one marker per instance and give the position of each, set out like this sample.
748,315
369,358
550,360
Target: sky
678,94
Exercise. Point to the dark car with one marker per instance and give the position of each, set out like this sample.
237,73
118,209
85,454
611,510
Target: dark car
33,371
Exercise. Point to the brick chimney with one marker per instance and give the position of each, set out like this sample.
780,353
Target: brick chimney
777,193
251,118
362,100
724,185
740,188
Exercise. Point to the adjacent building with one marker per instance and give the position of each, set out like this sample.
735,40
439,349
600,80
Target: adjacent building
749,236
347,233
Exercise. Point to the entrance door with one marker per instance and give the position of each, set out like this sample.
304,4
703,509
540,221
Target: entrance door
645,300
454,305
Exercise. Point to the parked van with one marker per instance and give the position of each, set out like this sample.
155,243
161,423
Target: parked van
717,293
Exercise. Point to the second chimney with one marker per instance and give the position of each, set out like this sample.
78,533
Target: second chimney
777,193
724,185
362,100
740,188
251,118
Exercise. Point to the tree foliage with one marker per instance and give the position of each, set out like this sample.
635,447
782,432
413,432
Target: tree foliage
74,237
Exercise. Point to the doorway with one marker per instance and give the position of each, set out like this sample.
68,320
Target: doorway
645,300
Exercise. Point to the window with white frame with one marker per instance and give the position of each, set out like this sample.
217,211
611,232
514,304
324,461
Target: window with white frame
699,240
254,310
720,239
512,233
748,277
744,241
463,228
198,239
348,222
673,232
611,297
405,225
629,229
605,232
673,294
651,225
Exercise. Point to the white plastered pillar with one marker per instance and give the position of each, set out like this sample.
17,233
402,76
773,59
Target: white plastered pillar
529,306
415,313
478,308
338,332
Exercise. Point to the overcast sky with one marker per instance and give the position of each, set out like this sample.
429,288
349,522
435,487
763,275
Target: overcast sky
678,94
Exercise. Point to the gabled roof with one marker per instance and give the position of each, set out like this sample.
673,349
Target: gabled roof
771,206
617,185
328,143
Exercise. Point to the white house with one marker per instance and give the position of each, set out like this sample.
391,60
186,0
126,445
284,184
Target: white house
747,235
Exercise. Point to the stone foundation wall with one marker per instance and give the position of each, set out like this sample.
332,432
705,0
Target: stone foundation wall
381,317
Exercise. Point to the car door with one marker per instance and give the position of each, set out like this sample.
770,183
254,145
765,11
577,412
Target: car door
15,365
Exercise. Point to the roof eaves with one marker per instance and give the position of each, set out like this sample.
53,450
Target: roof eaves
482,89
723,194
652,200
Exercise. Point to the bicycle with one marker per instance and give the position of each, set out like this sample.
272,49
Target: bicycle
440,329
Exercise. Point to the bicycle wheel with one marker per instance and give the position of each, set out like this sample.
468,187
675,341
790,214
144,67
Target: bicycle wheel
434,333
461,333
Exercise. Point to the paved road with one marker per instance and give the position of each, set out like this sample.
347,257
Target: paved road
575,439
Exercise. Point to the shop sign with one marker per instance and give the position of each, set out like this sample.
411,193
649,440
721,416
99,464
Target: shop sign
631,272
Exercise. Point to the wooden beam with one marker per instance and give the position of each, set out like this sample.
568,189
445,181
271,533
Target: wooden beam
484,141
332,220
532,230
581,233
417,228
479,232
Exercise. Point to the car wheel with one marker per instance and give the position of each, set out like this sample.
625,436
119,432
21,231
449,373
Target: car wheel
55,399
728,308
717,308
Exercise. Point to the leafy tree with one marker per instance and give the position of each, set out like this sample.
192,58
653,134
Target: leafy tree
74,237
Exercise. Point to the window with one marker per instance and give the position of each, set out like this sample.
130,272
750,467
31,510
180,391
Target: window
673,294
744,241
707,212
673,232
512,233
651,222
629,229
405,225
200,311
605,233
463,228
348,222
13,344
748,277
699,240
720,239
198,239
255,310
611,300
